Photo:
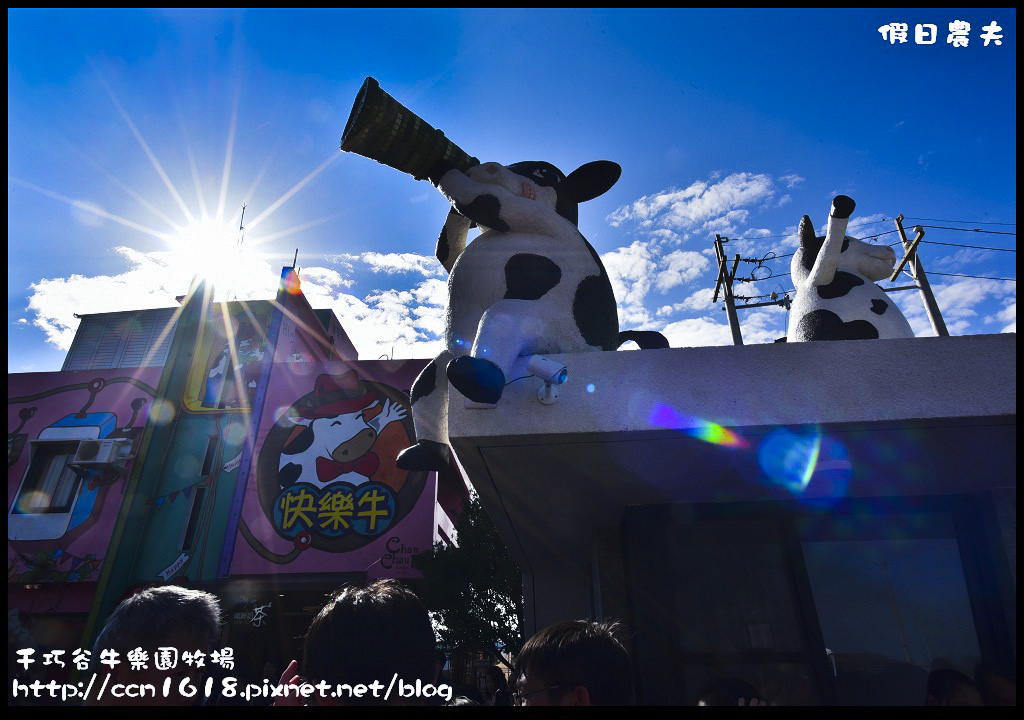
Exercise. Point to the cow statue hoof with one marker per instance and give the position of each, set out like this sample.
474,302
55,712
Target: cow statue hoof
424,455
478,379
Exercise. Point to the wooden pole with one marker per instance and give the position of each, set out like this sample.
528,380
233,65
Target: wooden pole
917,272
724,282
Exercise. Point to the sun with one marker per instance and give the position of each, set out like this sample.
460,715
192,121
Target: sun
216,250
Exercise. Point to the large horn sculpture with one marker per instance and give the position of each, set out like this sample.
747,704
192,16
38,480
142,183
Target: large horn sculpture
382,129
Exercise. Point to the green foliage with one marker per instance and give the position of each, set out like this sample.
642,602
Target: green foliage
475,590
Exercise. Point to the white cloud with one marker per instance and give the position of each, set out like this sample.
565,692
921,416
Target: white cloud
1008,315
791,180
153,280
702,205
393,322
631,271
697,332
681,267
327,278
697,301
962,304
394,263
966,256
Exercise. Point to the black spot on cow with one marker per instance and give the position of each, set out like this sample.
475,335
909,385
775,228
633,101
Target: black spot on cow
443,250
299,443
425,382
878,307
542,173
478,379
843,283
595,312
485,210
826,325
529,277
289,474
846,244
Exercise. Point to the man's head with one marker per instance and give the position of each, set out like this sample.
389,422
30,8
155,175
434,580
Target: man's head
165,616
950,687
367,634
577,662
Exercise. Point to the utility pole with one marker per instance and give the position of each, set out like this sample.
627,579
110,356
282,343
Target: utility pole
724,281
913,261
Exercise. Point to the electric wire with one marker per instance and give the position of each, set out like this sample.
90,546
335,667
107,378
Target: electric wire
977,277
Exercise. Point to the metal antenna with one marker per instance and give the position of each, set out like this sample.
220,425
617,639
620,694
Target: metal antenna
241,228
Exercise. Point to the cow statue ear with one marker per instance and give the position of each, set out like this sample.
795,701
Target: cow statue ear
588,181
808,238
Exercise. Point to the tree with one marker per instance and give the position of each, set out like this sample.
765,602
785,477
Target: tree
475,590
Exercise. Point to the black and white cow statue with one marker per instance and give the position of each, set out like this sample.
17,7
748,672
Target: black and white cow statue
529,284
336,441
834,277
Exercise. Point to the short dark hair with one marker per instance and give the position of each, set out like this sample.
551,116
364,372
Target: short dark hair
581,652
371,632
161,615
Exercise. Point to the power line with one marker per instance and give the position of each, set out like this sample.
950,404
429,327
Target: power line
963,222
979,230
974,247
878,235
977,277
792,234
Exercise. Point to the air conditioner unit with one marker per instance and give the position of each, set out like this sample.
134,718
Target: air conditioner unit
99,452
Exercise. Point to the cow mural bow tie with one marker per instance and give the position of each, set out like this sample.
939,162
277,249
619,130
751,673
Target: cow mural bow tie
327,469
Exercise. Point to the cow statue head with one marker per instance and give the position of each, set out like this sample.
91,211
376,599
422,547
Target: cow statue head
338,433
834,276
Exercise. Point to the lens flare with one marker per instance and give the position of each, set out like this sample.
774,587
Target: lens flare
162,412
234,433
788,459
666,417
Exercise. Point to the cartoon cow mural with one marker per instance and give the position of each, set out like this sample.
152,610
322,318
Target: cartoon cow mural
529,284
836,296
336,440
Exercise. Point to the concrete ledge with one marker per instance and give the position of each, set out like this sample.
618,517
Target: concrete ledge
777,384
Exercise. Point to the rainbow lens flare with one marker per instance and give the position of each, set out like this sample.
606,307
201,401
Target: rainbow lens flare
666,417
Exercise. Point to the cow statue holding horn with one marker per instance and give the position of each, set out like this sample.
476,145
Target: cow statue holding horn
529,284
834,276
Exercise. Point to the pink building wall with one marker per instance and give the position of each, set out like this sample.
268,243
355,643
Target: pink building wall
307,512
65,408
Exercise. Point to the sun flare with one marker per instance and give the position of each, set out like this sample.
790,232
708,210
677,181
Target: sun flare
217,251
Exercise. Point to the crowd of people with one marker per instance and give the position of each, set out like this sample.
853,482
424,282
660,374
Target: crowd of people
373,644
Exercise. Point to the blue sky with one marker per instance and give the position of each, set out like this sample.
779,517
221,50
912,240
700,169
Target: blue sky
135,136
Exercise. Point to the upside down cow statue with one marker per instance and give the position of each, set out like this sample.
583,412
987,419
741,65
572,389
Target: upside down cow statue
834,276
529,284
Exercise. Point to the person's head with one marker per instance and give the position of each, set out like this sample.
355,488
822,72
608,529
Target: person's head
951,687
577,662
370,633
165,616
495,678
729,692
997,683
